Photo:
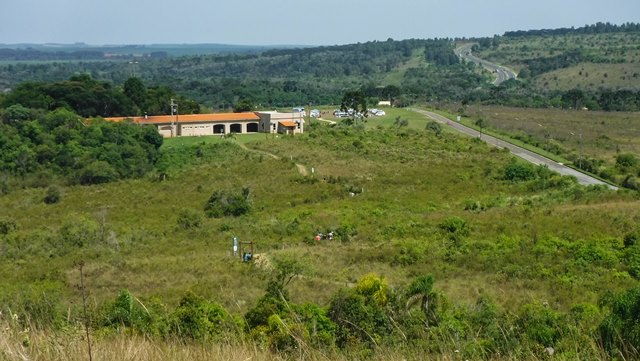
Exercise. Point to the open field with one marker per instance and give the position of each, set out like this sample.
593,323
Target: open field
409,187
574,135
387,192
592,76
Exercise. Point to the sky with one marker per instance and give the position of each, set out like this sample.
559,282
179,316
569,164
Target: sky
289,22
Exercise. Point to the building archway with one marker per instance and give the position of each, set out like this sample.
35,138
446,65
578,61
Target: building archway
218,129
252,127
235,128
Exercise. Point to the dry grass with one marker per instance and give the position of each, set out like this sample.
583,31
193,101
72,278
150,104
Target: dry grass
597,134
23,345
592,76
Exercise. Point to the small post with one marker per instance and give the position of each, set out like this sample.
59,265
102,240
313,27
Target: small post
84,307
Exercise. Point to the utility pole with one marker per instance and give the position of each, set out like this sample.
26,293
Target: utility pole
174,111
579,147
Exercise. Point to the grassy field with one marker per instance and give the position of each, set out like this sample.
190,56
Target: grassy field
574,135
592,76
388,190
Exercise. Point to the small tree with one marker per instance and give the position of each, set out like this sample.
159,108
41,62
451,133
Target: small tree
435,127
354,100
227,203
480,123
52,196
421,289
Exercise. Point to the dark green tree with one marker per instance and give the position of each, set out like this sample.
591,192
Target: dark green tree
135,90
354,100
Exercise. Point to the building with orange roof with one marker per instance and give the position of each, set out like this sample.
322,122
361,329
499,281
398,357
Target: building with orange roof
220,123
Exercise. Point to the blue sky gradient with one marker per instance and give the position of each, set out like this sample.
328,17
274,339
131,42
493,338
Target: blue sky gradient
306,22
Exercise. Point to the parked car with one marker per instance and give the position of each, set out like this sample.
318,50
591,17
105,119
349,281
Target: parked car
340,114
300,110
314,113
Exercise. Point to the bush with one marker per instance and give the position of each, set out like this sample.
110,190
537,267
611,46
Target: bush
227,203
434,127
127,311
517,171
620,330
7,225
97,172
455,226
625,160
198,319
189,218
79,231
540,324
52,196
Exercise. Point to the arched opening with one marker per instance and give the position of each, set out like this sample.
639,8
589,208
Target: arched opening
236,128
252,127
218,129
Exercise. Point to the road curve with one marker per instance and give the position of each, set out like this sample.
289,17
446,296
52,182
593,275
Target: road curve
502,73
527,155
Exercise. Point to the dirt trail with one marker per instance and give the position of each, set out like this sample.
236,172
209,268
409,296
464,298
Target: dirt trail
301,168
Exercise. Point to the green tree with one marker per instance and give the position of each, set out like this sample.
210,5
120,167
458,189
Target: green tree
227,203
434,127
355,101
135,90
421,291
243,105
480,123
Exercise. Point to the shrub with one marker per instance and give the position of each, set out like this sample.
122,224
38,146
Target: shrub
127,311
189,218
517,171
97,172
455,226
52,196
434,127
7,225
620,330
625,160
79,231
227,203
540,324
198,319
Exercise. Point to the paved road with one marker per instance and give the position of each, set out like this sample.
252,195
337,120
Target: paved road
502,73
520,152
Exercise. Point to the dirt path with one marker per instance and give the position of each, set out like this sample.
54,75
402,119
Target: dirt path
300,167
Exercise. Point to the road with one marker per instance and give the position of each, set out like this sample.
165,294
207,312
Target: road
527,155
502,73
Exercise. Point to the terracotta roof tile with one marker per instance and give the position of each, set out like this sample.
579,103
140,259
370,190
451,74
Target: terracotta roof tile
288,123
190,118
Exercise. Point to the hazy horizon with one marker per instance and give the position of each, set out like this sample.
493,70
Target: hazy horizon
289,23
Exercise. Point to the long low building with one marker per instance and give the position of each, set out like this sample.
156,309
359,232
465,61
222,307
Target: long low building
221,123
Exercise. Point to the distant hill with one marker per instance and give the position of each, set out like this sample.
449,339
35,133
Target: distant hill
82,51
593,57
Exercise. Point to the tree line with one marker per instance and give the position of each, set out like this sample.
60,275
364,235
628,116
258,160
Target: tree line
597,28
40,146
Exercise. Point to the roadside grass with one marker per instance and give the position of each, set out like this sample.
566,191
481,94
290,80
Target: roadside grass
564,136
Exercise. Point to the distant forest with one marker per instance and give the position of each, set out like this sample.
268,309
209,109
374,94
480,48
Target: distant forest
405,72
597,28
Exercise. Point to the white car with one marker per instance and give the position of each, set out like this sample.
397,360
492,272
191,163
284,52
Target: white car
314,113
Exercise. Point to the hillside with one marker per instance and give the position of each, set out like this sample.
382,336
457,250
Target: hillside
402,202
567,61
